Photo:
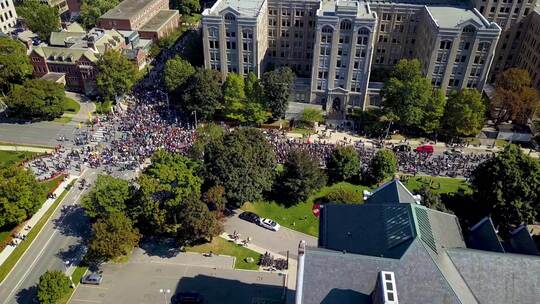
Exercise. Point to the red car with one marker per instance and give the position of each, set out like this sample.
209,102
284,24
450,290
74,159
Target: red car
424,149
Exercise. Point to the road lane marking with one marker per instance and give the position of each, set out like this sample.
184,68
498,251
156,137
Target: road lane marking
25,275
88,301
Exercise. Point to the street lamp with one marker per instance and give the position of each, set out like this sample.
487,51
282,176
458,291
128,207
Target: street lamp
195,113
66,265
165,292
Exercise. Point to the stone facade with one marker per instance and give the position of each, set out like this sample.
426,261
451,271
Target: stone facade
8,16
529,53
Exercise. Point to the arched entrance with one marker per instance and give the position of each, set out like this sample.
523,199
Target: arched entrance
336,105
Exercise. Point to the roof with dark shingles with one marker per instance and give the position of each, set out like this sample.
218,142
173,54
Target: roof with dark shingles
483,236
392,192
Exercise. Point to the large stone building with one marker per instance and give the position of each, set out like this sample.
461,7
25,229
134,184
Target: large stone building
335,44
151,18
529,53
8,16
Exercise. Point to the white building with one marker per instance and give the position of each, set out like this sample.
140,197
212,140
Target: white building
8,16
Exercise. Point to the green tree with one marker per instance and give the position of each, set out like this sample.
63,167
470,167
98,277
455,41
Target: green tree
383,165
255,112
116,74
409,97
514,98
310,116
243,162
203,136
177,72
507,187
113,237
215,198
15,63
431,199
202,94
53,285
197,223
464,114
277,85
109,195
40,18
235,97
20,195
164,187
342,195
91,10
186,7
301,177
36,99
343,164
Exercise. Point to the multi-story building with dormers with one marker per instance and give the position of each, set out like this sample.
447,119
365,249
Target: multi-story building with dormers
333,45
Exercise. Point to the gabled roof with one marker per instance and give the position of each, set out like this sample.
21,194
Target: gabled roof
391,192
483,236
522,242
64,55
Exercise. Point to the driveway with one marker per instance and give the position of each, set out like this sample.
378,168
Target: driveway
278,242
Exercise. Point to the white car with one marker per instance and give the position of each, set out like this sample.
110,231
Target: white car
269,224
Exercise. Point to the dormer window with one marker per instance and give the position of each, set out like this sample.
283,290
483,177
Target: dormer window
230,17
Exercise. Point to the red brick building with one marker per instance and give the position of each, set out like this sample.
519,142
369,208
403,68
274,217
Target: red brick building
151,18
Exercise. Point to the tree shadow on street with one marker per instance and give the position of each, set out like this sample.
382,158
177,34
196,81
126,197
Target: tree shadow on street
73,222
74,254
160,247
27,295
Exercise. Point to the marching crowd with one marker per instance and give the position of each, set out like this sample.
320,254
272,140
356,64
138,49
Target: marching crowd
128,138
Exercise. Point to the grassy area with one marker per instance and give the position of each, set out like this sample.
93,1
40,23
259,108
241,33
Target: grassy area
302,131
8,158
300,217
221,246
10,262
500,143
473,141
76,278
63,119
50,185
71,106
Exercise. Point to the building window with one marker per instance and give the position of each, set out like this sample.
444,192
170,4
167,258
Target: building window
230,17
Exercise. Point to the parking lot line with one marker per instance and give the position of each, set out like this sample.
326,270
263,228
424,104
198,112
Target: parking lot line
94,287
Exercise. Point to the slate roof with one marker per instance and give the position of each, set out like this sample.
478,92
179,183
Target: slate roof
424,248
483,236
392,192
522,242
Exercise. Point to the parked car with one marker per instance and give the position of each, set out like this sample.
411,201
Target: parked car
402,148
93,278
250,217
189,297
424,149
269,224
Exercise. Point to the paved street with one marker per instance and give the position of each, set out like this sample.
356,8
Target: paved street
277,242
137,282
59,241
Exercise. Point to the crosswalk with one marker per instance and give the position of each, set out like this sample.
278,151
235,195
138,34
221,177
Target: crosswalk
99,135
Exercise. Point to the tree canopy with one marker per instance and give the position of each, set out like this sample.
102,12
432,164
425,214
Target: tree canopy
40,18
243,162
277,86
36,99
53,285
202,94
113,236
186,7
343,164
464,113
15,63
311,116
243,99
514,98
507,187
204,135
301,177
383,165
20,195
409,97
91,10
177,72
164,188
109,195
116,74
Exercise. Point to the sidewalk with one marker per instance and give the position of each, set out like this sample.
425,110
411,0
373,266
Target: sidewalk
25,148
36,217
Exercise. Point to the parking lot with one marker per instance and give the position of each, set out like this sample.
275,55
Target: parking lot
141,281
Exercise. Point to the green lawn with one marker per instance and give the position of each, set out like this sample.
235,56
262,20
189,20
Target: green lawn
10,262
224,247
76,278
51,184
300,217
8,158
71,106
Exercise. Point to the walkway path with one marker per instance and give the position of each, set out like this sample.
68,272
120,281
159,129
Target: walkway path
25,148
35,218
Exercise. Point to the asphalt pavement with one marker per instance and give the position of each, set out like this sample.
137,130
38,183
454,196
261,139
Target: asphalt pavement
275,241
59,241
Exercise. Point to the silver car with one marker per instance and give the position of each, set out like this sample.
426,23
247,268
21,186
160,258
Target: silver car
93,278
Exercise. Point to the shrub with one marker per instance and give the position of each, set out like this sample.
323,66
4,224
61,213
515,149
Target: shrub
342,196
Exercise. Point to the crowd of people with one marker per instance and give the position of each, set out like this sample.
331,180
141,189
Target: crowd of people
125,139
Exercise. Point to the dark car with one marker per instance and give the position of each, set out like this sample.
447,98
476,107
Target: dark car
187,298
250,217
402,148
